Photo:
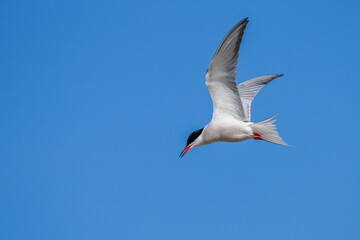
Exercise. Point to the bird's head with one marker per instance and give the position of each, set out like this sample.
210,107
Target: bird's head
193,141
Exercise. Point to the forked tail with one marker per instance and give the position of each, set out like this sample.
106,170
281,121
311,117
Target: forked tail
266,130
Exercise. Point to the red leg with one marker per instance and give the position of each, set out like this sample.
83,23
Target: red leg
257,136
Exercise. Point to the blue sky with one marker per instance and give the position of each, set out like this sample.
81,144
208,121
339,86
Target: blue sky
97,99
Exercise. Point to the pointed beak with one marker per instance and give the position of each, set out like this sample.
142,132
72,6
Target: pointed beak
185,150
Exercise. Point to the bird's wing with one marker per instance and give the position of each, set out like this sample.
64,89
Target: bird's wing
220,76
248,90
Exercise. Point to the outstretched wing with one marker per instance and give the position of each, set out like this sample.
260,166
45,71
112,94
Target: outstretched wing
220,76
248,90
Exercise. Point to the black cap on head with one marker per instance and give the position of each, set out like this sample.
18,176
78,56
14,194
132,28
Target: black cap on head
194,135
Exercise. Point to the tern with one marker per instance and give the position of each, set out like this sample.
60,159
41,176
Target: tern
231,102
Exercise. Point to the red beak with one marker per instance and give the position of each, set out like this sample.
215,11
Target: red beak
185,151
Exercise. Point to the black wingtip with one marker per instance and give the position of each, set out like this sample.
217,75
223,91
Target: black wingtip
245,20
242,22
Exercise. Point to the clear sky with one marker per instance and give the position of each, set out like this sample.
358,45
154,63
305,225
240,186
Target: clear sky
97,99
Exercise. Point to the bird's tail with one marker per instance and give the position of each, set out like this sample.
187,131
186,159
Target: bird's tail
266,130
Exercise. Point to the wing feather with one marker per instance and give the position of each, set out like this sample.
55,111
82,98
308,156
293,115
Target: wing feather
220,76
248,90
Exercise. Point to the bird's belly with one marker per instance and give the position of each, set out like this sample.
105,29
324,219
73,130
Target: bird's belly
233,132
230,135
237,138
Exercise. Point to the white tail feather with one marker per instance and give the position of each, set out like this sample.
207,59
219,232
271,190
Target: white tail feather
267,131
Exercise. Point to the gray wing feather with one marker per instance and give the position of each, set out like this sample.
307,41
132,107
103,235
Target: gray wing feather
220,76
248,90
226,56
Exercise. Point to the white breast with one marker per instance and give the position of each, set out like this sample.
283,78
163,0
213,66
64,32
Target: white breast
226,130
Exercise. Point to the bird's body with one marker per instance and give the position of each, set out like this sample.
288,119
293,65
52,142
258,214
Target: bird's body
231,102
226,130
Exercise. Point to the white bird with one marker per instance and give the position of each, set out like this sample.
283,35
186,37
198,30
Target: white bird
231,102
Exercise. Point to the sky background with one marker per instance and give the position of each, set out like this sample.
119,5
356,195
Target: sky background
97,99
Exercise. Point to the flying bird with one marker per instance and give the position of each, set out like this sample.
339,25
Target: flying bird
231,102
